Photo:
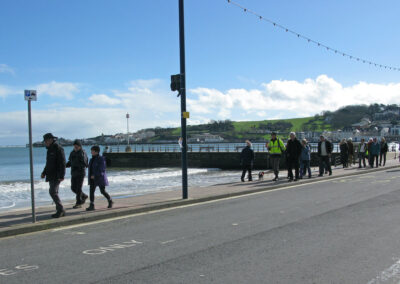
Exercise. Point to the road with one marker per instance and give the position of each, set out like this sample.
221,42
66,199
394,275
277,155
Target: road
345,230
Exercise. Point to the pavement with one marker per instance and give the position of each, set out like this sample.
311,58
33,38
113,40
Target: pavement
20,221
332,230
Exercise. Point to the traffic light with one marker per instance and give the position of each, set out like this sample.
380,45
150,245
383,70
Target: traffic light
176,82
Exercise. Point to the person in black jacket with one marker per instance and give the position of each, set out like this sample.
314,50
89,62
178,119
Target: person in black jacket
54,171
293,152
344,153
325,149
247,160
78,162
384,150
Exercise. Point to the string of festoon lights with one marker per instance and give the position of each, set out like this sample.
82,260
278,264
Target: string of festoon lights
311,41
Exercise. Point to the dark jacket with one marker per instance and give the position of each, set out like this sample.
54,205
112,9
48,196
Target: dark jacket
344,149
375,148
78,161
247,156
55,163
293,150
351,147
97,168
328,146
384,147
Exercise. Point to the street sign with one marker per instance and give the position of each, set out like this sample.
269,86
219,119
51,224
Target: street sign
30,95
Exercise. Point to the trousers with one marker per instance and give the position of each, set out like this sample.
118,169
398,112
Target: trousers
76,187
102,190
53,191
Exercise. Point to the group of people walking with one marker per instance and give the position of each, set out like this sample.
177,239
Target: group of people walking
298,155
55,168
373,151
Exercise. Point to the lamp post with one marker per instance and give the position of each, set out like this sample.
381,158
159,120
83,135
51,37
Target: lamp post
128,148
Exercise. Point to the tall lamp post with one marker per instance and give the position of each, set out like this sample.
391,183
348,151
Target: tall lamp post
128,148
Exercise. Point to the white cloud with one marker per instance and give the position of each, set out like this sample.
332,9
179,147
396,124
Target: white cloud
7,91
4,68
64,90
292,98
101,99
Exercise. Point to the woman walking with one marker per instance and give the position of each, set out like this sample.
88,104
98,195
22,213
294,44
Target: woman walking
344,152
305,158
98,177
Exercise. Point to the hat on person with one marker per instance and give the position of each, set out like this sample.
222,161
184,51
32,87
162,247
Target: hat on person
49,136
77,142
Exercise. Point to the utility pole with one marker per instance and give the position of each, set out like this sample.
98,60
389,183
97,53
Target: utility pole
127,127
182,92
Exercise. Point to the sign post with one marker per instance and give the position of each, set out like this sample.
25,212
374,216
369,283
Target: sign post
31,95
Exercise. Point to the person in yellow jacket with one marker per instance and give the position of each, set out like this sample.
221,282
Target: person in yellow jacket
275,148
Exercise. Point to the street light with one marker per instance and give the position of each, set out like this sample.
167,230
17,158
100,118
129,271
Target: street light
128,148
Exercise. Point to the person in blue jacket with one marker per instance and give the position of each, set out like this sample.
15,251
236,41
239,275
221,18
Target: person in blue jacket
305,158
374,152
98,177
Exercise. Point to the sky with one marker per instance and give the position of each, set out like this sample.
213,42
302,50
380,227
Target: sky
93,61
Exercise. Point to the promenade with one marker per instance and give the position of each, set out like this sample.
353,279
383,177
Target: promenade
20,222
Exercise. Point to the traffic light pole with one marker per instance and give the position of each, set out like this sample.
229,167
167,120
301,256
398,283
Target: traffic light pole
182,92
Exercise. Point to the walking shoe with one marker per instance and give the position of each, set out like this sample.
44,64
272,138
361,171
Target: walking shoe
290,180
275,179
330,173
58,214
309,176
295,179
91,207
242,179
250,179
76,206
84,199
320,175
110,203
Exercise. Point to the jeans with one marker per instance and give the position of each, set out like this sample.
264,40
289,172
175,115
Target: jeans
382,154
373,158
53,190
324,164
76,187
361,157
275,160
102,190
305,166
293,163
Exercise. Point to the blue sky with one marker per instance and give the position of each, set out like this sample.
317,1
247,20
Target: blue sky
93,61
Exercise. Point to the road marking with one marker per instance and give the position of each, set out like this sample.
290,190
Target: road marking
74,233
235,224
17,269
168,242
103,250
390,274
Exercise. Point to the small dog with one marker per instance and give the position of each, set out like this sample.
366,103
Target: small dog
260,175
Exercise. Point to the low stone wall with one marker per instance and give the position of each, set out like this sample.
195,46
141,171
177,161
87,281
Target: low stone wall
221,160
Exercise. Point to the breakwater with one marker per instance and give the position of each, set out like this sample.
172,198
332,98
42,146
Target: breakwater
220,160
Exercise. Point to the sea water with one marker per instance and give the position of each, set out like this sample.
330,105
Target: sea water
15,188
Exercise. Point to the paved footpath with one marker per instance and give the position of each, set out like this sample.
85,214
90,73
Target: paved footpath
20,221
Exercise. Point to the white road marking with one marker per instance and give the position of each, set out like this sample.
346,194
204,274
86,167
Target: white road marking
168,242
17,269
235,224
113,247
390,274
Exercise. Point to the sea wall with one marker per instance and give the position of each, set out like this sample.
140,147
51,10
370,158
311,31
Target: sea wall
221,160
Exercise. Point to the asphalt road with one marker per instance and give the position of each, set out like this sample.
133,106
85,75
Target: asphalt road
345,230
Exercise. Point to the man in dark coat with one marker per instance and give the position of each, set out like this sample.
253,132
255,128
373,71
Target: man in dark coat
78,162
247,160
325,149
293,152
54,171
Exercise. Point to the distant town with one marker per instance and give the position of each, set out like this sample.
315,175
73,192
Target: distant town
357,122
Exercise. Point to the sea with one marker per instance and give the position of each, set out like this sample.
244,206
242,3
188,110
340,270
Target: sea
15,187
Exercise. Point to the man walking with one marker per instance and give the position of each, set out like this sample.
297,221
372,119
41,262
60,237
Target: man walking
374,153
362,150
54,171
384,150
275,148
293,153
78,162
351,151
247,160
324,153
